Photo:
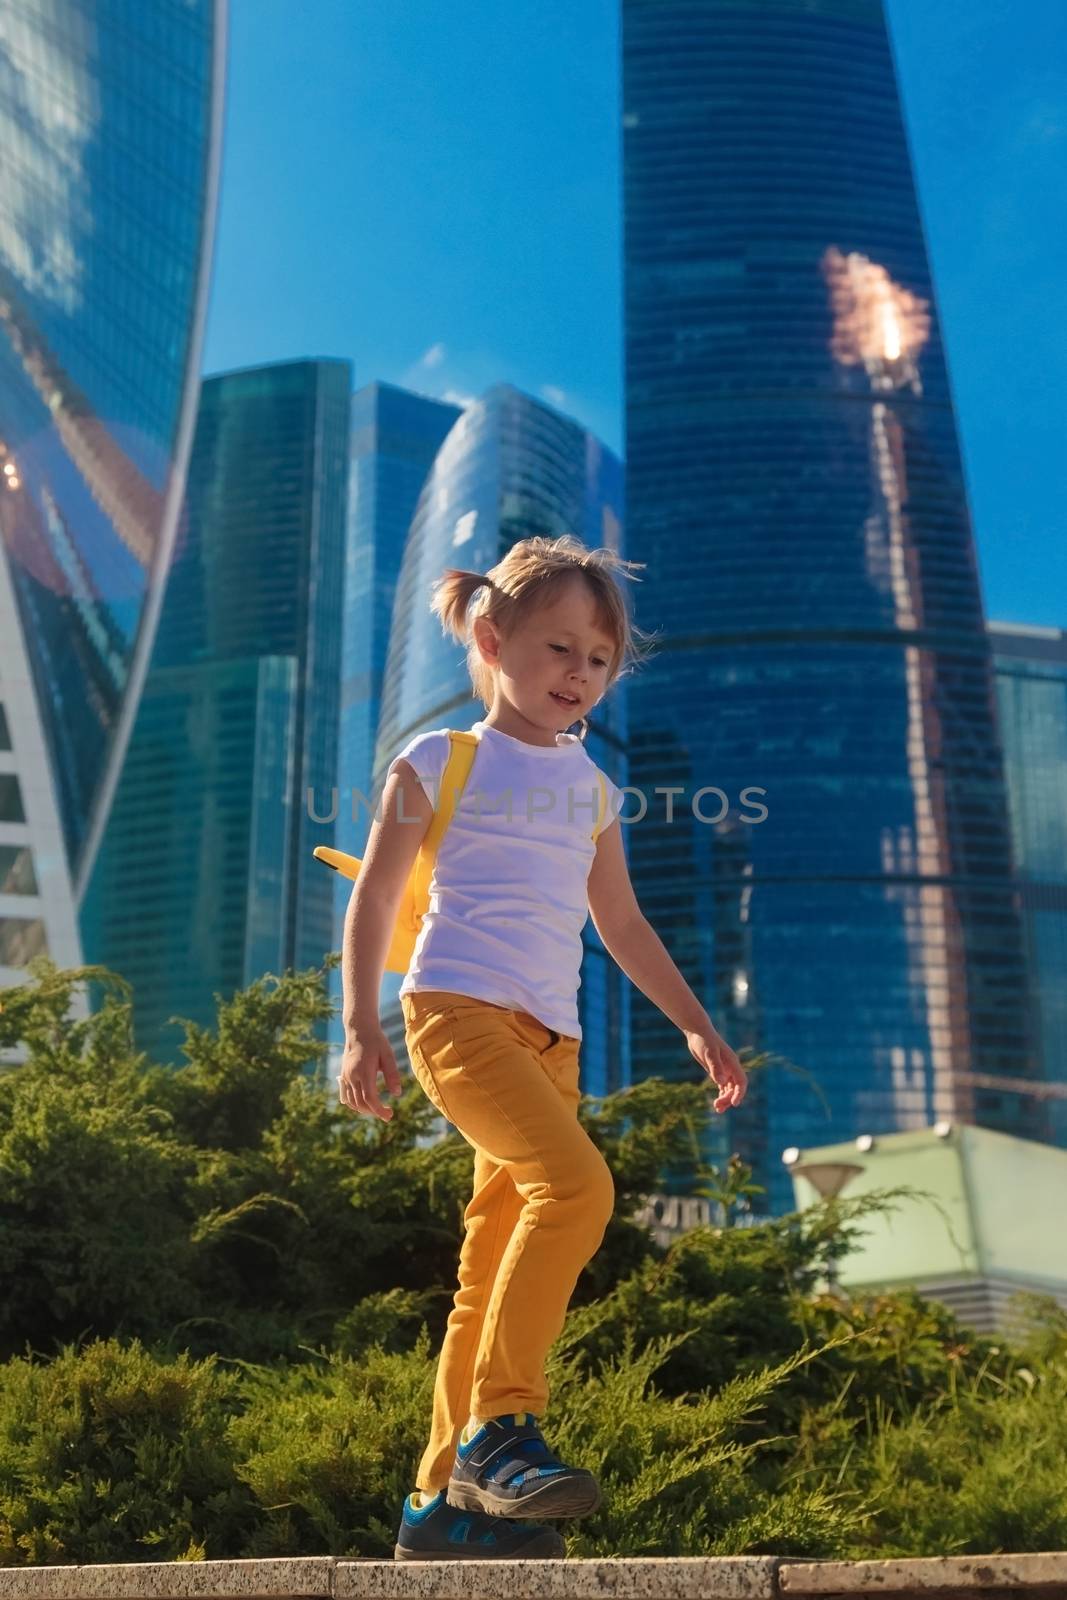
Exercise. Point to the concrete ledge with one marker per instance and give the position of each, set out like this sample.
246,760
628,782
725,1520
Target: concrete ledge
138,1580
647,1578
650,1578
945,1576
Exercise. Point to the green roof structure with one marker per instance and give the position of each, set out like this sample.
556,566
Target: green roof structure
984,1229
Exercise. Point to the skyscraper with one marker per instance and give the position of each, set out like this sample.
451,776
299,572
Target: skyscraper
395,436
206,879
110,125
511,467
794,486
1031,681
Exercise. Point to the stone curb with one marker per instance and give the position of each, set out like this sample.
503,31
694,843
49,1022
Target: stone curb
648,1578
1042,1575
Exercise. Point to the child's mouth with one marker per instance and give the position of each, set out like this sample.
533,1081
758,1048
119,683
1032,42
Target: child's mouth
571,705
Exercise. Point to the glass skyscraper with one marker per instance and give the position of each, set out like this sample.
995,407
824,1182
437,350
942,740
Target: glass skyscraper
845,902
206,878
1031,679
510,468
110,124
394,438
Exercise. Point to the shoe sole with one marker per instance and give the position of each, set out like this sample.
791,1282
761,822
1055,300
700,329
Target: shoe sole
543,1549
554,1497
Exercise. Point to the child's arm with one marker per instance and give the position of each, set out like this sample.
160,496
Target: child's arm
633,943
391,849
392,845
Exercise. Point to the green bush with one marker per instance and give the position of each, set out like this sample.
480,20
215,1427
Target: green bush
113,1454
229,1206
233,1205
108,1454
224,1295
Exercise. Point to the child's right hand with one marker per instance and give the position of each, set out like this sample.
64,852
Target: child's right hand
367,1052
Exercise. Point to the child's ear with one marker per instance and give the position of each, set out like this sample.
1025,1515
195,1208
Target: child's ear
485,637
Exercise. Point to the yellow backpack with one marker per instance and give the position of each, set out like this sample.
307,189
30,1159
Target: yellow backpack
415,899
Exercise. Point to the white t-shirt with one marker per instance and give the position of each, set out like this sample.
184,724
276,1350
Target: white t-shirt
509,891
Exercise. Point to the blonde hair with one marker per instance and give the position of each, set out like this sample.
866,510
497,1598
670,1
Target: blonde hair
532,575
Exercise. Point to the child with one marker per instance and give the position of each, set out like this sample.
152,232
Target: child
491,1023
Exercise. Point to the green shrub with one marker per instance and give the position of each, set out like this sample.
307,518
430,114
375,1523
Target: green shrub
224,1295
113,1454
108,1454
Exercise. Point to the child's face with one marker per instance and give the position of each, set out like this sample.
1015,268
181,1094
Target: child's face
560,649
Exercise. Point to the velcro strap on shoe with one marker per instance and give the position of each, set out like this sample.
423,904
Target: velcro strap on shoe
522,1449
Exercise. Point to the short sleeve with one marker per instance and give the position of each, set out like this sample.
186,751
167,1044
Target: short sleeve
428,754
616,801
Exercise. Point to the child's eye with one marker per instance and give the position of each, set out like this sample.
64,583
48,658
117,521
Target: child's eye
564,647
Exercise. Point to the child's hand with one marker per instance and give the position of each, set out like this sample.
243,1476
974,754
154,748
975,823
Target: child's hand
721,1065
367,1052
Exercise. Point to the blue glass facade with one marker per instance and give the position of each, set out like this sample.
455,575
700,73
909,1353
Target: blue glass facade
1031,680
510,468
206,880
395,437
794,486
110,124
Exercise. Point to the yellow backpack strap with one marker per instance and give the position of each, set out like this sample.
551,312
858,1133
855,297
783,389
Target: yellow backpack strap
602,812
453,782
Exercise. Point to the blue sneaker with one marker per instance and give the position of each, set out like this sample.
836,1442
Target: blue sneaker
506,1468
436,1532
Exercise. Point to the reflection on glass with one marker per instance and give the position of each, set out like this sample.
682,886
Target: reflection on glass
795,489
109,122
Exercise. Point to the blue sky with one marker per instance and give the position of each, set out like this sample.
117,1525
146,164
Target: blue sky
434,193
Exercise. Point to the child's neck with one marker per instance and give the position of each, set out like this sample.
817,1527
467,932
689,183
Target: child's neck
505,719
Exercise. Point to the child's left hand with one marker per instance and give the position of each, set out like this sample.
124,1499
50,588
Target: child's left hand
721,1065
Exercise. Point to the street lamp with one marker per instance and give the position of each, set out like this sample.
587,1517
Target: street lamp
827,1178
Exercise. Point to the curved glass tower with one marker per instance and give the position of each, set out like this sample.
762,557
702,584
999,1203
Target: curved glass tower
794,485
394,437
510,468
110,122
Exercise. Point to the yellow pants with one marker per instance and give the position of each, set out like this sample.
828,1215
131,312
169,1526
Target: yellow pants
543,1197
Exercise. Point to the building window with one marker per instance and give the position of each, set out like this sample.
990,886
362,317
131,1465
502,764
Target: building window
10,799
21,938
16,870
